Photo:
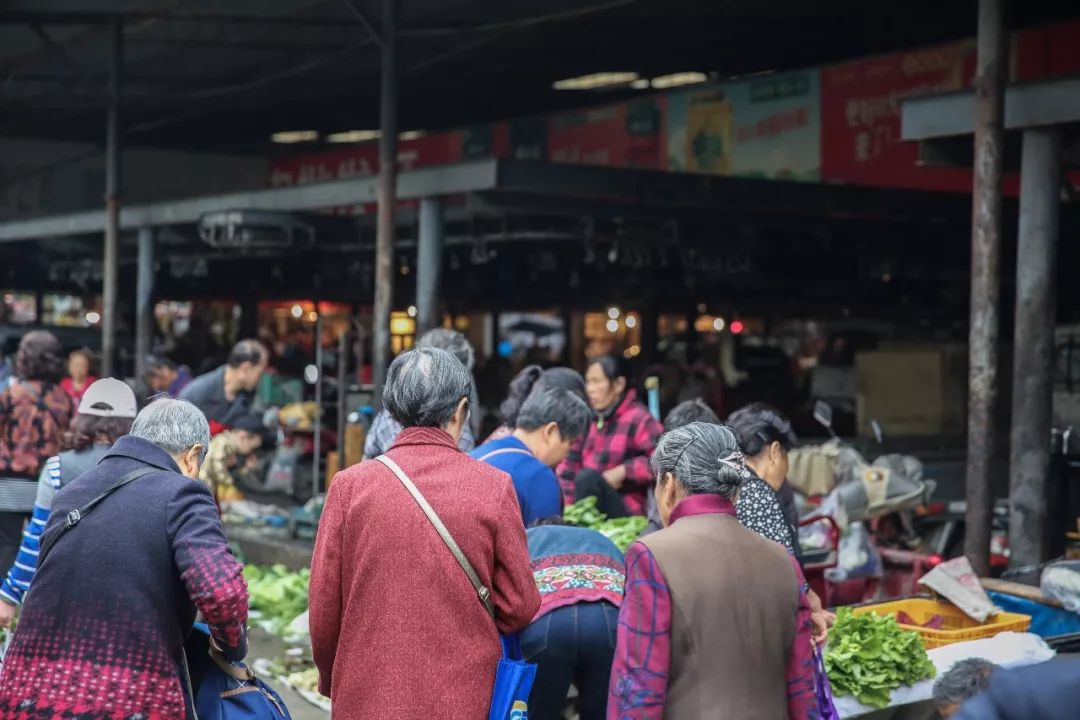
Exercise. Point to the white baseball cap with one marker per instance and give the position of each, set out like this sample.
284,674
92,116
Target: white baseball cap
110,398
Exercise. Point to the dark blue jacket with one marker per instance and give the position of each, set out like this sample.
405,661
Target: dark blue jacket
1047,691
115,598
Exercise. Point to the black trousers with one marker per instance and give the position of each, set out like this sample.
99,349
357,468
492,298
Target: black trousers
11,531
590,483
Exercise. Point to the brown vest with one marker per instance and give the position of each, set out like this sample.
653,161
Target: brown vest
734,599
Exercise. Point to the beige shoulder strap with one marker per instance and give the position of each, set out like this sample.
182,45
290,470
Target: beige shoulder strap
481,591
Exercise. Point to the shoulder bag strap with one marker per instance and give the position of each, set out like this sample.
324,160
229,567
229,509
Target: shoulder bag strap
483,592
505,451
75,516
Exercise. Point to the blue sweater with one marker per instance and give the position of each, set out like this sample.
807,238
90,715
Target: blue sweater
535,483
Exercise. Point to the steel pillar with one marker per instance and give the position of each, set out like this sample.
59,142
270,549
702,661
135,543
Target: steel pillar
1033,374
316,450
429,265
144,300
113,184
985,280
384,240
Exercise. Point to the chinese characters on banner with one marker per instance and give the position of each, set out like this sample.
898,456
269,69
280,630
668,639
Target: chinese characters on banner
860,116
623,135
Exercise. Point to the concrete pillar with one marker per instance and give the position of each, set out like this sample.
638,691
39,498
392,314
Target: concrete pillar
429,266
113,186
144,300
385,230
985,279
1033,373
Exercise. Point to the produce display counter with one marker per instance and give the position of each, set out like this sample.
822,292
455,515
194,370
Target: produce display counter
1008,649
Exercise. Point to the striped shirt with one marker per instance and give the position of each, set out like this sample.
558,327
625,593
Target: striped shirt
22,572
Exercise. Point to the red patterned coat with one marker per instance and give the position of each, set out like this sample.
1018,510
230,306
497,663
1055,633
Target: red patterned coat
397,630
102,629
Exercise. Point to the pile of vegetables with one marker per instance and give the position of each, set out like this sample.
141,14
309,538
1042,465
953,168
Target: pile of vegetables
621,531
869,656
277,595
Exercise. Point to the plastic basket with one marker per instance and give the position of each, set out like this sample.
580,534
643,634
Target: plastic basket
957,627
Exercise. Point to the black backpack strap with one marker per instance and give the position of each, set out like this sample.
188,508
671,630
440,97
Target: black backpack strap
75,516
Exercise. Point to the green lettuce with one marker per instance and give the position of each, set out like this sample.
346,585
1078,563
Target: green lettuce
869,656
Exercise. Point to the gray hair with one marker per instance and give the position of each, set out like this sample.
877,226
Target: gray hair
963,681
452,342
424,387
175,426
557,405
704,458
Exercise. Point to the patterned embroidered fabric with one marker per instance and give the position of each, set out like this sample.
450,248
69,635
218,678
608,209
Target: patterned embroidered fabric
568,579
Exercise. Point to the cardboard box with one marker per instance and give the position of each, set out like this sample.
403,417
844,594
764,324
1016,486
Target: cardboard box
913,391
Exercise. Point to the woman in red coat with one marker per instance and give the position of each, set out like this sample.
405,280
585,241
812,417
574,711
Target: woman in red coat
397,630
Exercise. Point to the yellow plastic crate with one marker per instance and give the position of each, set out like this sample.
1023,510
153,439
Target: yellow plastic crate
956,626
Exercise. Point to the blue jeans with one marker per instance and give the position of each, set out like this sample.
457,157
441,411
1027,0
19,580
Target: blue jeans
572,644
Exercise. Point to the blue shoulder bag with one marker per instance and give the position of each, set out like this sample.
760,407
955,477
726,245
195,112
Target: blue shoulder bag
232,692
513,677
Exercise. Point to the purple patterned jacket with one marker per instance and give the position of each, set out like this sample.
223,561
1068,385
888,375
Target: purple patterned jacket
102,629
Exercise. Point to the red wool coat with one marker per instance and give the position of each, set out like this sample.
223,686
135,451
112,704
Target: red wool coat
397,630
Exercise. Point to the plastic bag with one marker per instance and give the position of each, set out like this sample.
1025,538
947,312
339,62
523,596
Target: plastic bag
858,558
956,581
1061,582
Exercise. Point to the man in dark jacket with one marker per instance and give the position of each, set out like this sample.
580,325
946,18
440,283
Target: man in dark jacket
226,394
103,627
1047,691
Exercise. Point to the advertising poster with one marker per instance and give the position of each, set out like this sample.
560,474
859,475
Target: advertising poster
595,136
860,116
777,127
766,127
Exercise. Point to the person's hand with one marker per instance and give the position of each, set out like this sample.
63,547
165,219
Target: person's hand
821,621
616,476
7,613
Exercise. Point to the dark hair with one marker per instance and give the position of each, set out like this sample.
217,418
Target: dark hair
690,411
533,379
963,681
613,366
550,520
758,426
40,357
85,430
248,351
562,407
153,363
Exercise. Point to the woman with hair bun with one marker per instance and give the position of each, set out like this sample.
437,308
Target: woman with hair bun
533,378
714,615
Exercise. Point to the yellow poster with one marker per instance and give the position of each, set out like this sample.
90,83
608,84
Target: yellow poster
709,133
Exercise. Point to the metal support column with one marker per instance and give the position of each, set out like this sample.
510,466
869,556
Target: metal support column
384,240
1033,374
985,281
429,265
316,449
113,186
144,300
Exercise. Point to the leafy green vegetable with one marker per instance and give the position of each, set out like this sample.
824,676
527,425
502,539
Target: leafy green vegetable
277,595
621,531
869,656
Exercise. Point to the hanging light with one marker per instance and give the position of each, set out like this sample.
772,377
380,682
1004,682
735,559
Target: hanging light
613,313
613,326
297,311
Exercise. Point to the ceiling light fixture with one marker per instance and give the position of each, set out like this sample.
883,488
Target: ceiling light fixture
641,84
353,136
411,134
287,137
676,79
596,81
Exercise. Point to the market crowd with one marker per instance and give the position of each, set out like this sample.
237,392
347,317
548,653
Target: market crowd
427,553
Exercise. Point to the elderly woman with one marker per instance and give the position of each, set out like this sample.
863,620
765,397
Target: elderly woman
397,628
115,595
613,462
714,615
34,415
106,412
384,429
